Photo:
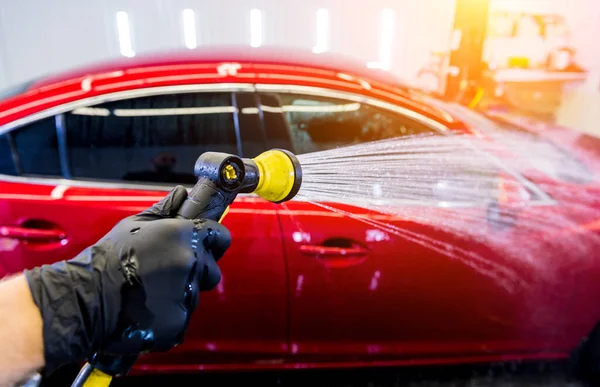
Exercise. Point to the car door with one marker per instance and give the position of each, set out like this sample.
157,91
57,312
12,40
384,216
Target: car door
557,229
119,157
366,284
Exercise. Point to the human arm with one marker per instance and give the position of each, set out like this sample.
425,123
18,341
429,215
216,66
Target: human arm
133,291
21,338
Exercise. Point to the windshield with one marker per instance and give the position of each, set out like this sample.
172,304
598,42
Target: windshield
552,159
559,163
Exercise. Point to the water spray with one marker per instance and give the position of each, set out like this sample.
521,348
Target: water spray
525,200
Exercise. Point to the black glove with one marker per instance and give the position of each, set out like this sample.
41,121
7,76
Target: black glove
131,292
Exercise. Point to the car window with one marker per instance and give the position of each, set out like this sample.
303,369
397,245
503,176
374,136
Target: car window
318,123
7,164
556,162
149,139
37,148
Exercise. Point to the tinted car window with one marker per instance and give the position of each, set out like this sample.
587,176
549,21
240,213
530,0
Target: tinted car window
318,123
37,148
149,139
7,165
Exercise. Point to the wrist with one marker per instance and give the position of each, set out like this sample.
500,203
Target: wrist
67,298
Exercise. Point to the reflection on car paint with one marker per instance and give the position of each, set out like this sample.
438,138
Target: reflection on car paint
375,235
375,281
299,282
299,236
8,244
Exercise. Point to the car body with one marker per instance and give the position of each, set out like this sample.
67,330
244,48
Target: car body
81,150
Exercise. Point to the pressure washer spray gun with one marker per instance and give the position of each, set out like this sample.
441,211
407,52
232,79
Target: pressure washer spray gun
274,175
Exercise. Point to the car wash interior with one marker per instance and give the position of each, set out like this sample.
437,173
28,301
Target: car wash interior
412,187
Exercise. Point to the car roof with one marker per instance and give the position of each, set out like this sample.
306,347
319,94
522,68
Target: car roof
177,67
217,54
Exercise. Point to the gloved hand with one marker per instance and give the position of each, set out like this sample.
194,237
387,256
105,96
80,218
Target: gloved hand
134,290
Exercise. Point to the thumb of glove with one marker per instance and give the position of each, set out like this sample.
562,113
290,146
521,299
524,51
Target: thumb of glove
167,207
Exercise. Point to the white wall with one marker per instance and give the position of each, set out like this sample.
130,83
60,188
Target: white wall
39,37
581,103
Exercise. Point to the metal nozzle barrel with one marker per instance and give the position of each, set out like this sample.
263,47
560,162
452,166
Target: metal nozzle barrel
275,175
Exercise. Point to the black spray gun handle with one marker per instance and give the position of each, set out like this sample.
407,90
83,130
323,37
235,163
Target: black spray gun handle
220,178
206,201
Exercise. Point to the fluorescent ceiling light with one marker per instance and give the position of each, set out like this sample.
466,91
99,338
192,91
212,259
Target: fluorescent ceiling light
189,28
256,29
386,40
91,111
173,111
322,31
348,107
124,32
388,29
270,109
345,76
250,110
366,85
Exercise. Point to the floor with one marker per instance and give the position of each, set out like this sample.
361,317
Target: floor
510,375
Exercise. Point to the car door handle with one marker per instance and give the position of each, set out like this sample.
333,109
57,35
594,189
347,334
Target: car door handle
337,253
328,251
31,234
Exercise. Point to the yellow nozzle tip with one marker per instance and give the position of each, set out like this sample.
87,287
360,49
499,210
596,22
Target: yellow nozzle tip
280,175
229,172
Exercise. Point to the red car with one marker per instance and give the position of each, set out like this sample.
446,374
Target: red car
302,286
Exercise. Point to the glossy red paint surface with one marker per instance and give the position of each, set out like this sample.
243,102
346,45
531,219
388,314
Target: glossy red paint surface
206,66
304,286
